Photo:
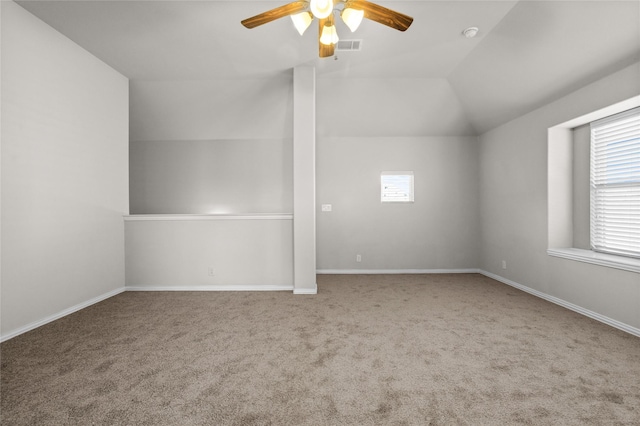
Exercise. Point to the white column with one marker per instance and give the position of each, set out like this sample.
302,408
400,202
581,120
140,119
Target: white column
304,180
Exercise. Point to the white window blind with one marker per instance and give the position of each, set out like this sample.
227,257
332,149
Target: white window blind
396,187
615,184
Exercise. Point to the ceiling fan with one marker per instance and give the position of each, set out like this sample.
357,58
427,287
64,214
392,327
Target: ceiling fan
351,11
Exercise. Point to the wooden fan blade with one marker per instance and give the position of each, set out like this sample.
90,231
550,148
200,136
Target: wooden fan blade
382,15
273,14
324,51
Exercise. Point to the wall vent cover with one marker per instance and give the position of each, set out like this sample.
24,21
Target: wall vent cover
349,45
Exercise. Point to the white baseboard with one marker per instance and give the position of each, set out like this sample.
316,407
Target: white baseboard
105,296
60,314
586,312
397,271
214,288
313,290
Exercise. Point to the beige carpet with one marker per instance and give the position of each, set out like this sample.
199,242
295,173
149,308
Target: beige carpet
367,350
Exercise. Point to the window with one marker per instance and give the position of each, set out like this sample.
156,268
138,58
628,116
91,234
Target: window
615,184
396,187
562,198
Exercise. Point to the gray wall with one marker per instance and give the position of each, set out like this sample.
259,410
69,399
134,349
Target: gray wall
64,173
211,146
440,230
225,147
513,206
394,107
212,109
211,176
368,125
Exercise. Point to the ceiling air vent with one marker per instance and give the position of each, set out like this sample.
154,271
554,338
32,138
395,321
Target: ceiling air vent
349,45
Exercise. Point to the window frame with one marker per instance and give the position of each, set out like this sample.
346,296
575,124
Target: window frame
614,184
559,192
397,174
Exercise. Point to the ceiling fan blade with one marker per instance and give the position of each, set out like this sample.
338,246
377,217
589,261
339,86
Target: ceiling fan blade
382,15
273,14
324,50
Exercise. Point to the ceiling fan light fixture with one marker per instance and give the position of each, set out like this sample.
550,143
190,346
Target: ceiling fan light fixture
321,8
329,35
352,12
352,18
302,21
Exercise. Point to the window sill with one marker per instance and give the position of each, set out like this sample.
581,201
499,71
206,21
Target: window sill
602,259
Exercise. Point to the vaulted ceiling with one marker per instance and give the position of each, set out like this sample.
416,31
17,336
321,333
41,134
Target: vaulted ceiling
526,54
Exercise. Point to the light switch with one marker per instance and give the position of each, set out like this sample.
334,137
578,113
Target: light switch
326,207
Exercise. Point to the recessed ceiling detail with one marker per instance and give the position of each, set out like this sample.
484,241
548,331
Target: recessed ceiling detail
470,32
349,46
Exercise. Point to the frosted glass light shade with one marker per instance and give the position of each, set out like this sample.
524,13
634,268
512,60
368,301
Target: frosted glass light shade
302,21
352,18
321,8
329,35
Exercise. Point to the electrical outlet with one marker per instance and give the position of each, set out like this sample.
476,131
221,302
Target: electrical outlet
326,207
211,271
358,258
504,264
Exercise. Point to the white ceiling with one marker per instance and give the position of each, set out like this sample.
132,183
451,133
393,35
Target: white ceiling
527,53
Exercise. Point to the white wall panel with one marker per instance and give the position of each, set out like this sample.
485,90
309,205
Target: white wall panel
209,253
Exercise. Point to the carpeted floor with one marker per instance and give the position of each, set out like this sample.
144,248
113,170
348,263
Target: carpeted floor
367,350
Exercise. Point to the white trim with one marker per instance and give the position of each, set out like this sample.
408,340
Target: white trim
175,217
397,271
602,259
256,287
586,312
313,290
61,314
632,102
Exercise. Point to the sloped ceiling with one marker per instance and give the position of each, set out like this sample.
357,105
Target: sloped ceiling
541,51
527,53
